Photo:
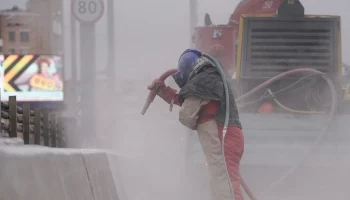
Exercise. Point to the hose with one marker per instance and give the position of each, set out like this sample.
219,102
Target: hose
318,139
277,93
246,188
227,113
224,130
152,95
329,120
314,95
289,109
279,76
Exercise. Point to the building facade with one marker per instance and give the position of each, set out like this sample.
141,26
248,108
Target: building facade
49,25
17,32
35,30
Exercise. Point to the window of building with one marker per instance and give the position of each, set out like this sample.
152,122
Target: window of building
12,36
23,50
24,35
11,50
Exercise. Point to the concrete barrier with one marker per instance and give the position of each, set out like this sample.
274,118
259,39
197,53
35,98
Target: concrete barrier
33,172
11,142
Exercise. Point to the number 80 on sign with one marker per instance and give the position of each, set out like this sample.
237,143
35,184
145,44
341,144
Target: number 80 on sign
87,10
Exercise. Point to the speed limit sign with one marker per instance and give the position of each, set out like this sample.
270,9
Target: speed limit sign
87,10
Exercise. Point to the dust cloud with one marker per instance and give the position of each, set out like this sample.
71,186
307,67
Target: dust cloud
149,37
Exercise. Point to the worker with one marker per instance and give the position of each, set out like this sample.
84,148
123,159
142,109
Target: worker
202,101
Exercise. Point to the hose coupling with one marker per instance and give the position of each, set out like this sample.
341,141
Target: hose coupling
171,104
224,131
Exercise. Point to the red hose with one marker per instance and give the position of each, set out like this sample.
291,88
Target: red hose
246,188
318,139
271,80
152,94
324,131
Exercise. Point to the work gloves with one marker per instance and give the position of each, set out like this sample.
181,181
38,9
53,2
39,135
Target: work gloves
157,85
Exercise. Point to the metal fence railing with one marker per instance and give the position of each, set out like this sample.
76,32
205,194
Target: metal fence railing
37,126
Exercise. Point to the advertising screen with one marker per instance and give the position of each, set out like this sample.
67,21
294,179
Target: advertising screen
32,77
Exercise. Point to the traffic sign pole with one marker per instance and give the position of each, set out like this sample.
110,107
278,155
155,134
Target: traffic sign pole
74,69
111,73
88,76
193,20
88,12
111,66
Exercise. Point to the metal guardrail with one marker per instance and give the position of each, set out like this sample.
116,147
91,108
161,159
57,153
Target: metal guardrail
38,126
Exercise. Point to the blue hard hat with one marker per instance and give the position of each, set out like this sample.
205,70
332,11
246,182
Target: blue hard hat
187,61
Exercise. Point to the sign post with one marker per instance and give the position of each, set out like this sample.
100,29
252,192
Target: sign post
111,68
111,46
88,12
193,20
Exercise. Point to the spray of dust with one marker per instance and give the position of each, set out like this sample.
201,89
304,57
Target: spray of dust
149,36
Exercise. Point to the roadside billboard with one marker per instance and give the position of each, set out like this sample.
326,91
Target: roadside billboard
32,77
